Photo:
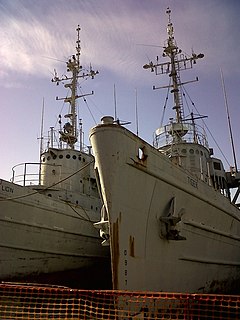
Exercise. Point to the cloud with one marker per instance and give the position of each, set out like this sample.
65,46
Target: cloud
34,35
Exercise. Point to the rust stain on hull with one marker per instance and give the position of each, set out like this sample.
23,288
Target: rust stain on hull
131,246
115,253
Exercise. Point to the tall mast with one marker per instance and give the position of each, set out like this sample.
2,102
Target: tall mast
69,133
172,50
178,62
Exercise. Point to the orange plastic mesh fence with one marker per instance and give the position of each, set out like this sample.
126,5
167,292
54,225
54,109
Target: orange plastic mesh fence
37,302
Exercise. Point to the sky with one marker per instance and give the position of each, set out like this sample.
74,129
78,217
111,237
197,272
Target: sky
117,38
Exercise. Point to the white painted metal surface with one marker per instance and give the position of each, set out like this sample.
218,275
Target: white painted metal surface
48,230
138,195
168,216
47,214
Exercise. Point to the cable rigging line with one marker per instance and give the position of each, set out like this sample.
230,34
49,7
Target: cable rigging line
165,104
49,187
193,104
85,100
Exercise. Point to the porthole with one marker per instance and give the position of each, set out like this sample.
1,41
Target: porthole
197,151
84,160
68,156
74,157
76,201
60,156
191,151
184,151
54,156
80,158
48,158
43,159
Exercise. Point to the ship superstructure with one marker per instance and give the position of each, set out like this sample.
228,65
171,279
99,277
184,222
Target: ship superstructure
47,214
168,214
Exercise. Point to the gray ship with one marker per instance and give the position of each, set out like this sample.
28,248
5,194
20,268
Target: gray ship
48,210
171,212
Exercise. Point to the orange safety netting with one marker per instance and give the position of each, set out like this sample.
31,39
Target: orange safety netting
19,301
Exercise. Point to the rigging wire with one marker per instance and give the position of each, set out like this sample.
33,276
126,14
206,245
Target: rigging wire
80,216
165,104
194,106
61,111
85,100
185,99
229,121
49,187
69,204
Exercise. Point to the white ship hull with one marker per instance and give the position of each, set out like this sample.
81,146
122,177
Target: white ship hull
40,234
48,211
147,196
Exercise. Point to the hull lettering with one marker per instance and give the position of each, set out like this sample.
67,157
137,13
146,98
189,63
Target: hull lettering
7,189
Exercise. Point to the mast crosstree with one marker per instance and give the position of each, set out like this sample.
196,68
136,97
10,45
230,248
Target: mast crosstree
178,62
69,133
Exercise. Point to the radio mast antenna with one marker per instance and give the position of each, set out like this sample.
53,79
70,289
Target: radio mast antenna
69,133
229,121
177,62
